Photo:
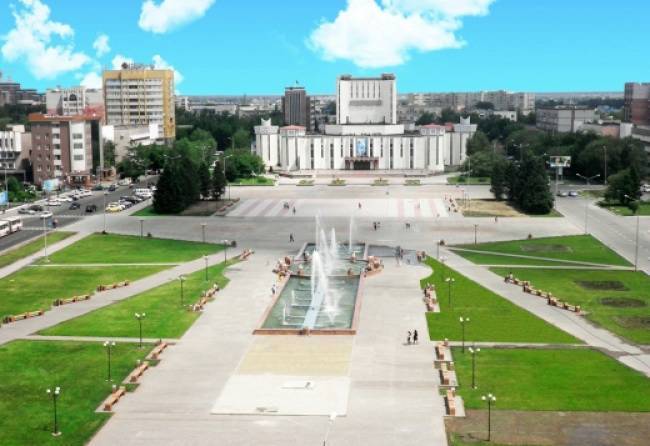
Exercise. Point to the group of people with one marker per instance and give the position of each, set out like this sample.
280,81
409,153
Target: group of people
376,225
412,337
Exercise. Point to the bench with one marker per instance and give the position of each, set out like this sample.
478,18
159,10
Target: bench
22,316
245,254
451,402
155,353
137,373
113,398
70,300
112,286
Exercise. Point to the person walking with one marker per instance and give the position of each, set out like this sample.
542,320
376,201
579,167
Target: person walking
273,290
294,210
291,240
408,338
415,336
359,205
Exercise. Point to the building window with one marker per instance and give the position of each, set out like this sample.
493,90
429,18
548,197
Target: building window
78,145
77,136
78,157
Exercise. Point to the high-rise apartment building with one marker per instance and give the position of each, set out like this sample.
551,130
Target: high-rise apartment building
139,95
637,103
74,101
564,119
296,107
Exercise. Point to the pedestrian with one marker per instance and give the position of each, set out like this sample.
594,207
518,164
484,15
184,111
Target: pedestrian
408,338
415,336
273,289
294,210
496,219
291,238
359,205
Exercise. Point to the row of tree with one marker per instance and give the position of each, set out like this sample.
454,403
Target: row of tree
525,184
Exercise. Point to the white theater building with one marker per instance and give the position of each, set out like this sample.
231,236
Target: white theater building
366,136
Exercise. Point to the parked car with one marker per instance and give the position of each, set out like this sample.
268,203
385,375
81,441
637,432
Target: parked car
573,193
64,198
53,203
562,194
74,206
91,208
85,193
125,203
26,210
136,199
144,193
36,208
113,207
98,187
124,182
112,188
45,214
645,188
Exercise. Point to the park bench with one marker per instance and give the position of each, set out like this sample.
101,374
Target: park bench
246,254
70,300
445,377
113,398
112,286
158,349
22,316
200,304
450,397
137,372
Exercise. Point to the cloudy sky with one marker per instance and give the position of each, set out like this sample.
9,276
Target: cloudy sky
260,46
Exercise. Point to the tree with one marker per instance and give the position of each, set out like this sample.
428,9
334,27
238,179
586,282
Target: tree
484,105
498,179
168,198
205,182
242,139
535,196
622,185
512,181
478,143
187,173
218,180
109,154
480,163
426,118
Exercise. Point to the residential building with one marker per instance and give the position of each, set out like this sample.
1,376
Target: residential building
365,136
138,95
15,144
296,108
564,119
62,148
614,129
637,103
126,136
12,94
642,133
75,101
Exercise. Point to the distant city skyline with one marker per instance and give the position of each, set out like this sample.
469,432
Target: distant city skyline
221,48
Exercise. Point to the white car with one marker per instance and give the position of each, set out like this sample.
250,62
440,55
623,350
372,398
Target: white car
645,188
45,214
144,193
84,193
53,203
65,198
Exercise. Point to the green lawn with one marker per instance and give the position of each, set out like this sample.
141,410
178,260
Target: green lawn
492,318
30,248
254,181
626,310
111,248
462,180
28,368
578,248
146,212
34,288
165,316
644,209
557,380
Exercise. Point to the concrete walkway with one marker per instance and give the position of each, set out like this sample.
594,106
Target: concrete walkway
573,324
393,397
19,264
21,329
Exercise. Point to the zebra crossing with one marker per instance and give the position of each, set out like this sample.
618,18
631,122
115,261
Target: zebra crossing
379,208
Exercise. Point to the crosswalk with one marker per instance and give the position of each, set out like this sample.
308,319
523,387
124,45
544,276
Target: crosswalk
387,208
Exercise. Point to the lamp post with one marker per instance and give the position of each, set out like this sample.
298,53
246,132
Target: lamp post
109,346
330,422
203,225
438,250
141,227
225,244
443,259
490,399
140,317
587,179
463,321
55,396
605,159
449,281
205,258
181,279
473,351
45,239
475,233
636,238
104,212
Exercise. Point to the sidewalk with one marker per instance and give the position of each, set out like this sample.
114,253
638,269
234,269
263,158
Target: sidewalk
20,264
21,329
573,324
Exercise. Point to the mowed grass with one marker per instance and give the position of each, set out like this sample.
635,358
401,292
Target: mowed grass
623,309
111,248
644,209
575,248
165,317
555,380
28,368
32,247
36,287
492,318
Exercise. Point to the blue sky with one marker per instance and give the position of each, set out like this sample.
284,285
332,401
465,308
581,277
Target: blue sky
260,46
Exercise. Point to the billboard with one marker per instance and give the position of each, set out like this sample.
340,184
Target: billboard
50,185
361,149
557,161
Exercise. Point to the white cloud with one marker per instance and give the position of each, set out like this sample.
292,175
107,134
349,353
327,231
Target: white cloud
159,62
91,80
373,35
170,14
31,40
119,59
101,45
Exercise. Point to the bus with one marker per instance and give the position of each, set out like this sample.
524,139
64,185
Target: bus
4,228
15,224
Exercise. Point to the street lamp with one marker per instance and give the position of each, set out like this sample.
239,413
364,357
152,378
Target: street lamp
636,240
605,159
203,225
463,321
443,259
140,317
473,351
489,398
331,420
225,244
587,179
475,233
181,279
205,257
55,396
105,193
109,346
438,250
449,281
45,239
141,227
